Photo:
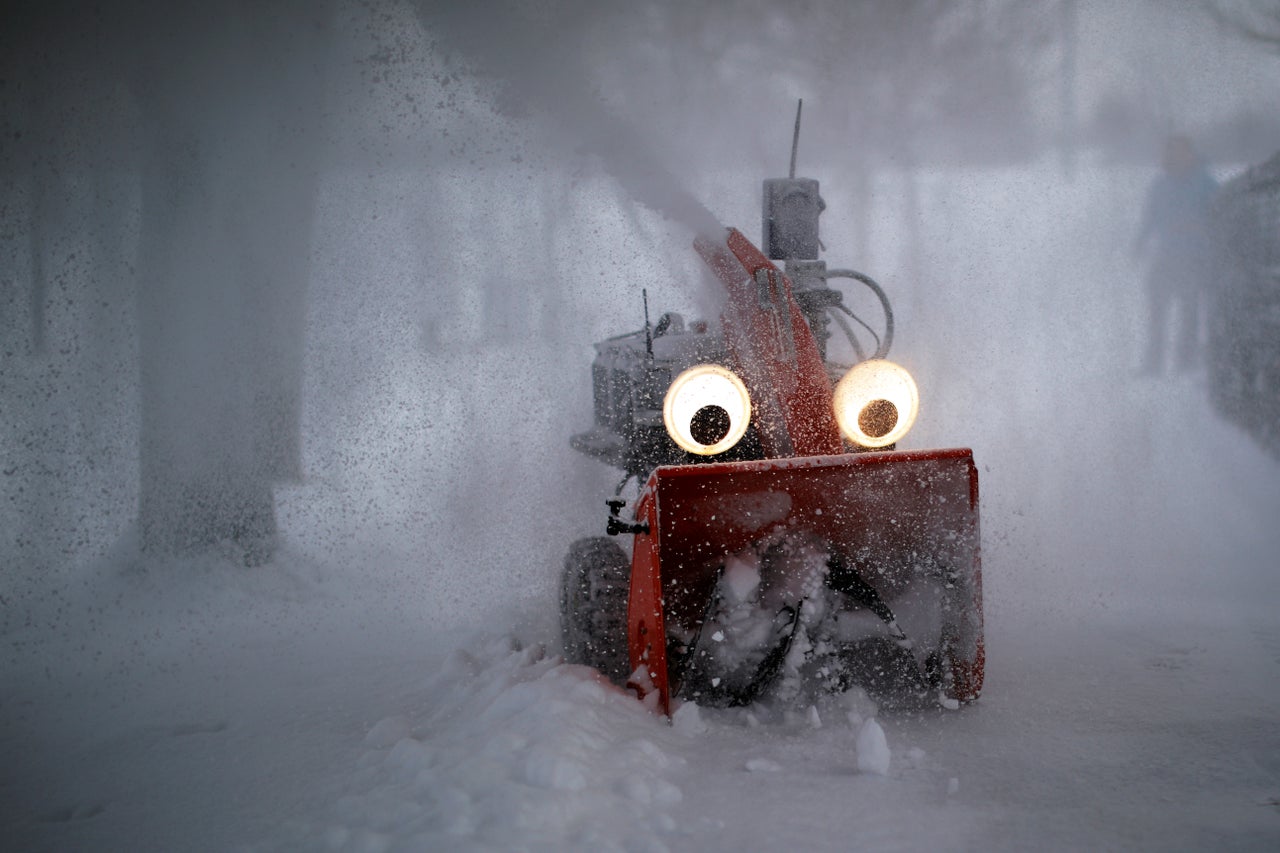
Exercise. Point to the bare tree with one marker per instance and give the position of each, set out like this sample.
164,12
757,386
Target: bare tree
231,106
65,199
202,121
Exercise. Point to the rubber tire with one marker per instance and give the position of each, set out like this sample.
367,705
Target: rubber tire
593,606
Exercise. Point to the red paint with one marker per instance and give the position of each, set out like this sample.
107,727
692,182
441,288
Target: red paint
885,504
774,352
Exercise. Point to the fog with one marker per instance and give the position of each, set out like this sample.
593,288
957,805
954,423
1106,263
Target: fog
298,306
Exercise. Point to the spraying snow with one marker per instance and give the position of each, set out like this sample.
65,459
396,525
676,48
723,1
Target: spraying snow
362,690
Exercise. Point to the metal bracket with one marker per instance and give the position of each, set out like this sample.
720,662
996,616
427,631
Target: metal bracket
614,525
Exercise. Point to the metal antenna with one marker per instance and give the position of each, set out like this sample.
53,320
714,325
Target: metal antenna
648,330
795,139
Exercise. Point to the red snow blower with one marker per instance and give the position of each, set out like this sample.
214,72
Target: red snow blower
780,544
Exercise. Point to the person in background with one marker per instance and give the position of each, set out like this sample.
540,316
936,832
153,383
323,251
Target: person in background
1175,228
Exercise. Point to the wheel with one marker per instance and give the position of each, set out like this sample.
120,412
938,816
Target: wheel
593,606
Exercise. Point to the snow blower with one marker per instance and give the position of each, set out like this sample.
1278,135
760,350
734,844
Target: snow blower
780,543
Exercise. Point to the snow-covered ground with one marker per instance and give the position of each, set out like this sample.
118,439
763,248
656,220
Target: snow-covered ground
391,682
1105,729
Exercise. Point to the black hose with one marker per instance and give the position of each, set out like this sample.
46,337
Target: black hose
850,332
853,339
882,349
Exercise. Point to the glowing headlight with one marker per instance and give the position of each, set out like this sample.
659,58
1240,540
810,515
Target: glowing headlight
876,403
707,410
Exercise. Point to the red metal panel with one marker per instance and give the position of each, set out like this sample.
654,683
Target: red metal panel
969,665
646,625
891,508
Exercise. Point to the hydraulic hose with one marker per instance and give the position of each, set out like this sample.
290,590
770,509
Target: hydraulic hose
883,349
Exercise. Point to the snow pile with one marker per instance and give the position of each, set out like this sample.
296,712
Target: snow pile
505,744
510,743
873,749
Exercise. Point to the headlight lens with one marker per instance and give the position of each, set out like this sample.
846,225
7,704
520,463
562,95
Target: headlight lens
876,403
707,409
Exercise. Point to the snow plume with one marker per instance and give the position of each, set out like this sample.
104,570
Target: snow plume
535,55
